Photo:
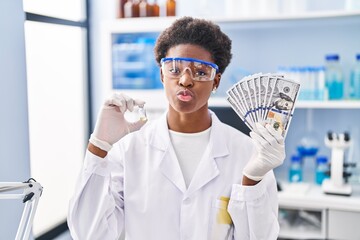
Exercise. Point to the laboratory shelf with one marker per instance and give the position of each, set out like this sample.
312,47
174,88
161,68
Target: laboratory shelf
157,24
347,104
310,196
286,17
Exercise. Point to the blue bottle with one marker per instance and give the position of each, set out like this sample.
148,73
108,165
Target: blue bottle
322,168
295,172
334,78
355,80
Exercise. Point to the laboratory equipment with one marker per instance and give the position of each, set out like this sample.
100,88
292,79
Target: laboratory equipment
133,62
142,113
307,150
336,183
170,8
144,9
121,13
322,169
319,78
355,79
131,9
155,9
30,196
334,78
311,79
295,172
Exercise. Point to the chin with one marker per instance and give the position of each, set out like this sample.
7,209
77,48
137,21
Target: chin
183,107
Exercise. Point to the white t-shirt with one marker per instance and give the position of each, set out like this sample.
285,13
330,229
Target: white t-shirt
189,149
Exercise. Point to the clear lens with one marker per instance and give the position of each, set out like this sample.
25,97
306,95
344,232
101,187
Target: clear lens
199,70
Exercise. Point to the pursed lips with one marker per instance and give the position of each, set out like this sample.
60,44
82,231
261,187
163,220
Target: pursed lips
184,95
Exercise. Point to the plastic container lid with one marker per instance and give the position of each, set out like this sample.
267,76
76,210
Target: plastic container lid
358,57
307,151
295,158
321,159
332,57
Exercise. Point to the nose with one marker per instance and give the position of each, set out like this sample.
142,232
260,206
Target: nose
186,79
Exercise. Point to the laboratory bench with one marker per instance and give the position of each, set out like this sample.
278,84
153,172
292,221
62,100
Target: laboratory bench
305,212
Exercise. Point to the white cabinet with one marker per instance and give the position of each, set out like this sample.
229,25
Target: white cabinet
305,212
302,222
343,225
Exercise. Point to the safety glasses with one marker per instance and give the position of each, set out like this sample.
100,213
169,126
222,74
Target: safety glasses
174,68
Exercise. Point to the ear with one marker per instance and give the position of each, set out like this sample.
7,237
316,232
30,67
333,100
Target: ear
217,81
161,76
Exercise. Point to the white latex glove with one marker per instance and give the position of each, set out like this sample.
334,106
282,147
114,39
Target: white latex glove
111,124
271,152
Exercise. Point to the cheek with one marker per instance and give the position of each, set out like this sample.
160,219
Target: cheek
169,88
206,91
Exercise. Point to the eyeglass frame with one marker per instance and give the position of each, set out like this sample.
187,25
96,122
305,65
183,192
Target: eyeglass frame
213,65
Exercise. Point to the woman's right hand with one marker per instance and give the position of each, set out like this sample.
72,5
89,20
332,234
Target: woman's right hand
111,124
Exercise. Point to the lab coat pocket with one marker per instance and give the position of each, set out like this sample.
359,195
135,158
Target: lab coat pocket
220,225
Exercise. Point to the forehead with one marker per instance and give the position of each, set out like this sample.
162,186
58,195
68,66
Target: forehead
190,51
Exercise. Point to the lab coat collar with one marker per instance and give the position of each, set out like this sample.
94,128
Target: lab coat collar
207,169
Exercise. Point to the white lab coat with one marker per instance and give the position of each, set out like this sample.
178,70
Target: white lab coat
139,188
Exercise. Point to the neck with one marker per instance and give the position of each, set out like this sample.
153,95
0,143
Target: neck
189,122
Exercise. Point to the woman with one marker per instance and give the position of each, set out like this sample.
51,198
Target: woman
185,175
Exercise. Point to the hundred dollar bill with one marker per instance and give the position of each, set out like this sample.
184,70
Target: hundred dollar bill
263,86
241,100
239,112
269,91
252,95
242,87
281,103
258,96
237,99
234,100
269,82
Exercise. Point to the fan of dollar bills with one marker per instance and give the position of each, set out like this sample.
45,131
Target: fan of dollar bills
265,98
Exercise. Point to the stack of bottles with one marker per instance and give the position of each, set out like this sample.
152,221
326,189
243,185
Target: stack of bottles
146,8
133,63
326,82
335,79
311,79
307,166
297,169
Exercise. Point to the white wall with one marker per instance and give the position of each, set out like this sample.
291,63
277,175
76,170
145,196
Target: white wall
14,137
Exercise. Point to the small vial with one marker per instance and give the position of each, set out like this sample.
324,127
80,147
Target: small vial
295,171
142,113
321,170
